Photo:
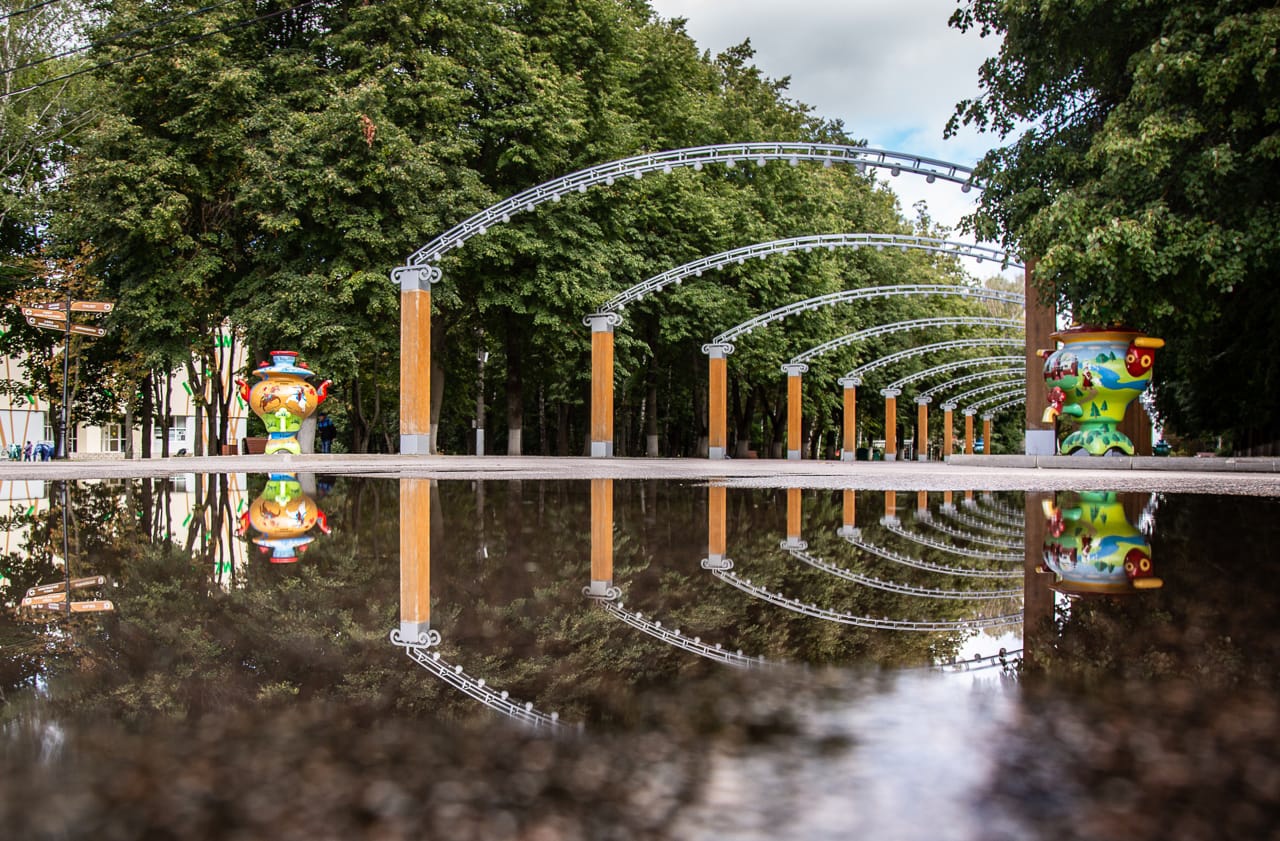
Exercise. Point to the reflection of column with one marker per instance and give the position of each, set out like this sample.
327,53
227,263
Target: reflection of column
986,435
948,421
890,422
922,503
968,431
602,325
415,358
717,405
793,520
890,508
794,408
1037,597
850,519
948,503
716,524
601,538
849,448
415,560
922,428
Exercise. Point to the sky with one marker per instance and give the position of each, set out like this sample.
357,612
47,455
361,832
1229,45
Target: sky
892,71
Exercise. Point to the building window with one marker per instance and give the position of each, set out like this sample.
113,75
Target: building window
48,434
113,438
177,430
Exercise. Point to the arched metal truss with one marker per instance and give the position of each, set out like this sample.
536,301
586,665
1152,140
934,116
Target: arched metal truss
965,552
474,687
673,637
725,339
954,365
729,154
929,566
997,514
995,410
950,531
924,350
760,250
951,512
1013,396
934,391
897,587
1006,659
902,327
884,623
996,386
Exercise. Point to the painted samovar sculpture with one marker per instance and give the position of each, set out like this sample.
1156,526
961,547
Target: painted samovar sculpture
283,515
1091,547
1092,378
283,399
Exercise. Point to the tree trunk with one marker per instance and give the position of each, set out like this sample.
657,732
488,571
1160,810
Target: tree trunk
562,429
651,415
515,400
148,416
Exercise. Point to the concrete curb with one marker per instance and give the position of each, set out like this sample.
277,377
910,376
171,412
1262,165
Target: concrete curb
1159,463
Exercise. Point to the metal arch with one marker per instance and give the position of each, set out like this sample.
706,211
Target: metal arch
929,566
897,587
979,523
673,637
924,540
995,398
956,364
1011,542
760,250
1014,402
864,293
903,326
729,154
970,378
974,392
922,350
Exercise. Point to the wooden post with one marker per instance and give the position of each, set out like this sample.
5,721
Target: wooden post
1041,321
968,431
986,435
793,520
601,539
849,446
1037,598
717,532
415,358
718,402
922,428
948,436
922,503
602,325
849,523
890,508
890,422
415,560
794,409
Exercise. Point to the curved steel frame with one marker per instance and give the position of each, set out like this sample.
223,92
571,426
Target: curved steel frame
729,154
760,250
672,636
974,392
934,391
1008,557
1021,398
929,566
904,589
952,366
922,350
1012,396
1007,542
903,326
725,339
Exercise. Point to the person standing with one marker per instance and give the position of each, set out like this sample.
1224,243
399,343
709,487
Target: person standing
27,452
324,426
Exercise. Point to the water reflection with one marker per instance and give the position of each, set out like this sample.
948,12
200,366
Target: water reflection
283,516
1093,549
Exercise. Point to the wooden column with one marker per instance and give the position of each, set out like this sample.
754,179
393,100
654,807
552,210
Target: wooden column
415,358
1041,321
890,508
849,522
922,503
793,520
718,401
415,560
601,539
948,436
1038,630
717,526
849,444
794,409
602,325
986,435
890,423
922,428
968,431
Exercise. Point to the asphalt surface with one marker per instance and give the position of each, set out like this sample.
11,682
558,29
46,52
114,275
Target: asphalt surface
1251,477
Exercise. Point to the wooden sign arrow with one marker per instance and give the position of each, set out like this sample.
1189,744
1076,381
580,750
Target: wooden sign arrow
94,606
61,326
92,306
41,312
60,586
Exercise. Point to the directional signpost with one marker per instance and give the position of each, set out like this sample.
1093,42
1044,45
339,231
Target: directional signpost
55,316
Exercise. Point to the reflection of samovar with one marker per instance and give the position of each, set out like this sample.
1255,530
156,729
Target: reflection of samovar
1093,377
283,515
1092,547
283,399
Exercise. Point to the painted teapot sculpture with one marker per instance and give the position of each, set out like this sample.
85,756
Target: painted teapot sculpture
1093,378
1092,548
283,399
283,516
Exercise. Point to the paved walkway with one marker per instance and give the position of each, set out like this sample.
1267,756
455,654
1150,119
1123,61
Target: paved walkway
1254,477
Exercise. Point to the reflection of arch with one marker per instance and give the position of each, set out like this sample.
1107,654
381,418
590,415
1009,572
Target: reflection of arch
923,540
673,637
476,688
979,523
855,539
897,587
972,538
757,591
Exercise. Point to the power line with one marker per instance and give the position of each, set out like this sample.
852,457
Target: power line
33,7
154,50
115,38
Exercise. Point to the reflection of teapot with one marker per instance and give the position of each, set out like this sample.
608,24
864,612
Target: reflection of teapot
1093,548
283,514
1093,377
283,399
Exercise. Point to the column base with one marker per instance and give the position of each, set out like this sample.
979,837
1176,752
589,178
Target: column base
602,449
1041,442
418,634
848,455
922,457
890,456
415,445
715,453
793,455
